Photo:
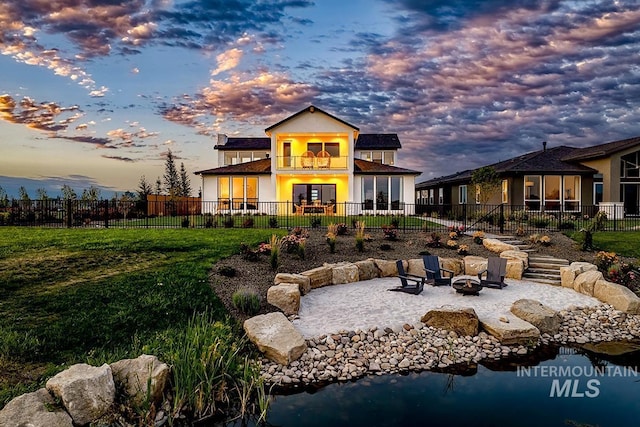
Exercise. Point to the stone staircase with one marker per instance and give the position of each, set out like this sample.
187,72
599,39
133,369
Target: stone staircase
544,269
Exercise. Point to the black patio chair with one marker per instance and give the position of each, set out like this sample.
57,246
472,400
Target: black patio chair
496,270
417,282
435,276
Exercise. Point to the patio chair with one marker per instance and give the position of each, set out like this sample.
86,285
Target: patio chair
417,282
307,159
436,275
324,160
496,270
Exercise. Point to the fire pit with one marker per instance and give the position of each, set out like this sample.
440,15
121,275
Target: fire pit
467,286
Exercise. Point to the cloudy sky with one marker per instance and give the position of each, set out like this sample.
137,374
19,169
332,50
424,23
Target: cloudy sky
96,91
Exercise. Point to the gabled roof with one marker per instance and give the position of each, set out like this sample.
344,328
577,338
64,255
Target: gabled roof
256,167
377,141
311,109
543,161
245,144
364,167
602,150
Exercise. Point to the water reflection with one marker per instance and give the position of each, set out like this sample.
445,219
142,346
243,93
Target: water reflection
488,394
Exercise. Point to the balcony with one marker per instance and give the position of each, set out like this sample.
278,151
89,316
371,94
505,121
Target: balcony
305,163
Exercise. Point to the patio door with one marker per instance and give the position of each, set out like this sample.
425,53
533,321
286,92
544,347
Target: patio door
308,194
631,198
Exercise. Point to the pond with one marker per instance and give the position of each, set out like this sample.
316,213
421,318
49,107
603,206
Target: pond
560,387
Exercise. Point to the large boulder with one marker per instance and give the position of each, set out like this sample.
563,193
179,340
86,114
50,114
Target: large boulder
474,264
454,264
367,269
538,314
515,331
303,281
387,268
87,392
36,409
585,282
515,269
415,266
319,276
141,379
285,296
344,272
517,254
276,337
463,321
620,297
497,246
569,273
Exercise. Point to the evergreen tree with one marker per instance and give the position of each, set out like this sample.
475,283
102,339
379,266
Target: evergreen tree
4,198
185,183
90,195
24,196
144,188
68,193
171,178
158,186
41,194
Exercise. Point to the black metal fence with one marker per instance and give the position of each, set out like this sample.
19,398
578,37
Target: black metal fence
498,219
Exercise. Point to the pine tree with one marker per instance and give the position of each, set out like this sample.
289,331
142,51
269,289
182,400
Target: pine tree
171,178
24,196
68,193
158,186
144,188
185,184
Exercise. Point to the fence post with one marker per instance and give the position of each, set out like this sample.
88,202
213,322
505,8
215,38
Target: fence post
464,216
69,214
502,218
106,213
615,217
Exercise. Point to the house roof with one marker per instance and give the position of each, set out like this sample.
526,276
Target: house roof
602,150
543,161
377,141
311,109
245,144
256,167
364,167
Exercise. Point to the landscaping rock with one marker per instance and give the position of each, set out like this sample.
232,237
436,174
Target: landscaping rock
276,337
569,273
463,321
474,264
387,268
538,314
620,297
416,267
515,331
367,269
517,254
344,272
585,282
515,269
497,246
302,280
87,392
141,378
285,296
454,264
319,276
34,409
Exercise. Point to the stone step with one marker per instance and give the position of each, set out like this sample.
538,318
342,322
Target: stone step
530,250
543,281
531,275
553,271
555,267
548,260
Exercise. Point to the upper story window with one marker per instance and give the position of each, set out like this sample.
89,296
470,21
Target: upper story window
383,157
462,194
333,148
236,157
630,165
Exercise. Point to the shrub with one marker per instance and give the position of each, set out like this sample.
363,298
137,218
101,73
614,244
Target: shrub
247,223
604,260
229,222
395,222
539,222
275,246
360,236
424,253
315,221
390,232
566,225
246,300
227,271
452,244
463,249
478,236
385,247
273,222
342,229
248,253
185,222
209,221
433,241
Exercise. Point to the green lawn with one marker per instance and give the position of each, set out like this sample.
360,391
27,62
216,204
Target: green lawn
68,295
625,243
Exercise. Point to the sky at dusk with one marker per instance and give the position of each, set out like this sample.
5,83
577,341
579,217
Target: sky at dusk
94,92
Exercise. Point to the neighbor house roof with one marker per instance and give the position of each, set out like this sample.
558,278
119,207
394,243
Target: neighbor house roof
364,167
377,141
311,109
256,167
245,144
602,150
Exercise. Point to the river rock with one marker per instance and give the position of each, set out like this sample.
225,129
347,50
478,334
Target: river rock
497,246
515,331
141,378
463,321
87,392
319,276
620,297
367,269
276,337
302,280
35,409
538,314
585,282
285,296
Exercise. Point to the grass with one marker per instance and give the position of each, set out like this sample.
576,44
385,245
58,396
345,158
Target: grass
73,295
625,243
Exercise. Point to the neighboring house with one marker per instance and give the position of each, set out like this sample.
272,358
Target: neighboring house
310,162
561,178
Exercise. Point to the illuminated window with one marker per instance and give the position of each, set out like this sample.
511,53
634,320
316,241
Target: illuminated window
505,191
462,194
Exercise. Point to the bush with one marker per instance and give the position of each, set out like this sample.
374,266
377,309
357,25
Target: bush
247,223
342,229
229,222
273,222
246,300
539,222
566,225
385,247
395,222
248,253
185,222
315,221
433,241
390,232
227,271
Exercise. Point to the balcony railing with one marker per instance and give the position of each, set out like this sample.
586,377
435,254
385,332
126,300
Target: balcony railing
300,163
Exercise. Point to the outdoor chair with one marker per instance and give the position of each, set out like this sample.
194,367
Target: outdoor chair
495,271
436,275
324,159
307,159
417,282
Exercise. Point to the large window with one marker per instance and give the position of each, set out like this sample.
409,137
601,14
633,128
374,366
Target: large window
384,157
552,192
383,192
630,165
236,157
319,195
598,192
462,194
440,196
505,191
333,148
238,192
571,193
